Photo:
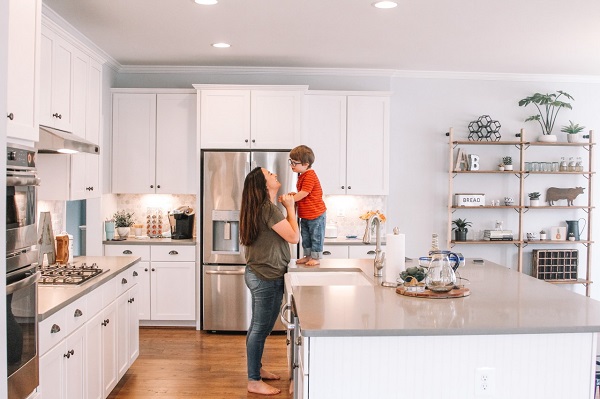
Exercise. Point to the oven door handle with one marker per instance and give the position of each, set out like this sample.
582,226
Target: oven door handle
17,285
12,181
287,323
225,272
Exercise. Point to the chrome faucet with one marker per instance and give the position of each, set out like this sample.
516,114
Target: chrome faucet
379,261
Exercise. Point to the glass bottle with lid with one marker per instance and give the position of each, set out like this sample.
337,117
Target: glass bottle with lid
563,164
579,165
571,164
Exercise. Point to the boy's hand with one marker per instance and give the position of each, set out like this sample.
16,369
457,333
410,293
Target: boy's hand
287,200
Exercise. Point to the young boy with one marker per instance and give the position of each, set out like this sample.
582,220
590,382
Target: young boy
311,207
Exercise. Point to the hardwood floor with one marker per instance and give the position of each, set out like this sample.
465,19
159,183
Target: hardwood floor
185,363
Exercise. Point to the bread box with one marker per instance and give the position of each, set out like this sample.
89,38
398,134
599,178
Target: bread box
469,199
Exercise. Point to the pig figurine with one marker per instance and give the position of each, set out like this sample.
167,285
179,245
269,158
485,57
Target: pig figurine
569,194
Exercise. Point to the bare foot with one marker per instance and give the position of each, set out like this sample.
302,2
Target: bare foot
292,387
262,388
303,260
267,375
313,262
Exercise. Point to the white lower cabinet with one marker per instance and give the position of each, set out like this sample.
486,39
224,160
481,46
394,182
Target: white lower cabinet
350,251
166,279
86,347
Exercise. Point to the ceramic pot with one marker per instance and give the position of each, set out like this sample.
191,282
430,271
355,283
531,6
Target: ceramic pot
508,167
123,232
534,202
573,138
460,235
547,138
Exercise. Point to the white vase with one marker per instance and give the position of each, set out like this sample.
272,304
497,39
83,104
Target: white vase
508,167
534,202
501,168
573,137
547,138
123,232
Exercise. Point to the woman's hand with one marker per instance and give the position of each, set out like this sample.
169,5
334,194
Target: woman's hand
287,200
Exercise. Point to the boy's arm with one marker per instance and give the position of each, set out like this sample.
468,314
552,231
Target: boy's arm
300,195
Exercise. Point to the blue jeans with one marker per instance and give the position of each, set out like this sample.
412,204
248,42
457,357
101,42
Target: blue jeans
266,302
313,235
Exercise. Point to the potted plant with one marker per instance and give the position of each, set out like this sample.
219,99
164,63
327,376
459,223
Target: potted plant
572,130
534,199
460,229
123,221
501,167
548,106
507,161
543,235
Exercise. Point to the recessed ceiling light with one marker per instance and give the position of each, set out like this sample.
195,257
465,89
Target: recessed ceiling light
385,4
206,2
221,45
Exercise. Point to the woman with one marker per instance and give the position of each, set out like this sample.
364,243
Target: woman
265,232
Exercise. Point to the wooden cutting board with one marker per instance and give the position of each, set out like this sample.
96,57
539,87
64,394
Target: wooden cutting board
455,293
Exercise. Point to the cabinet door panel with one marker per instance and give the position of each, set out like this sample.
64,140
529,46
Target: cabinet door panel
176,144
276,118
335,252
109,349
52,377
62,89
94,357
134,127
93,109
368,145
79,82
173,291
325,134
225,121
75,365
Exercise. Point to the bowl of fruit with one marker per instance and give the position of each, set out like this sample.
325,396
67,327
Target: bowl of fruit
412,278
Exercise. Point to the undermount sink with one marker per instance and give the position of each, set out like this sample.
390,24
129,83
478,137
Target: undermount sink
328,278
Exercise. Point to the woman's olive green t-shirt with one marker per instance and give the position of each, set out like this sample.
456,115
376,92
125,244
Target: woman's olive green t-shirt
269,255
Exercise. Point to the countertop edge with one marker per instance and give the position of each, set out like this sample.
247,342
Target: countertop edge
152,241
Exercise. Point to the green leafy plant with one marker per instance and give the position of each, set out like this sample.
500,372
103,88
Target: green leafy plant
534,195
507,160
572,128
548,106
461,224
123,219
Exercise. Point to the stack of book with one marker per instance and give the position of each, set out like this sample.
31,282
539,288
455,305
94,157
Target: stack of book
497,235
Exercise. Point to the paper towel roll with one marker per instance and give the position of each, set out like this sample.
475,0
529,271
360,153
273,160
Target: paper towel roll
394,255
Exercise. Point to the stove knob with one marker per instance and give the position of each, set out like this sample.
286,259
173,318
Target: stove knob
83,264
94,265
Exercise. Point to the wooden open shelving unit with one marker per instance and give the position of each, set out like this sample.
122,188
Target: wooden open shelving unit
520,241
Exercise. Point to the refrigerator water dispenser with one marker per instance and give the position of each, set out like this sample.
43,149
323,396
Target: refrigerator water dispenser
226,232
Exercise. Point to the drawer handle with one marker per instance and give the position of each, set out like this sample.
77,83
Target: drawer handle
135,274
127,252
105,322
371,253
55,328
78,313
326,253
131,300
69,353
173,252
57,115
124,281
11,116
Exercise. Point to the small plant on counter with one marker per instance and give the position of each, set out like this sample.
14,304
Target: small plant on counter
507,160
123,219
460,229
534,196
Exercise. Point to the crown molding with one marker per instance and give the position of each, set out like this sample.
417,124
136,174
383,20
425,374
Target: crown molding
513,77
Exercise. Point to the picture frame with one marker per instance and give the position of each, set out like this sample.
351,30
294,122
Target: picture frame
558,233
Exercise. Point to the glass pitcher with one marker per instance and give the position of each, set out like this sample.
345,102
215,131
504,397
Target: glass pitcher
440,276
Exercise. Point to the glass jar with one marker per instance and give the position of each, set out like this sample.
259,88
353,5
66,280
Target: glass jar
579,165
563,164
571,165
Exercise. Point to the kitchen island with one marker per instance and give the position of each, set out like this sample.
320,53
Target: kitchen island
531,339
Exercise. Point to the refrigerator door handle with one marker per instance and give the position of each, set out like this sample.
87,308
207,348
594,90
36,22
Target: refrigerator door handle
225,272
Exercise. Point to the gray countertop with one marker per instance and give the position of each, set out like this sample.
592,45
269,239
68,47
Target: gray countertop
349,241
51,299
151,241
502,301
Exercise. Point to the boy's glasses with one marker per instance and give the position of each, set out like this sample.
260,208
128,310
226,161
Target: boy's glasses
294,163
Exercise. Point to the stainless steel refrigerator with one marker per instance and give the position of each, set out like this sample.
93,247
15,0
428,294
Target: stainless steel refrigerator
225,298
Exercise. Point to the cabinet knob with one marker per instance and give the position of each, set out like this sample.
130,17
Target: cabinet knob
152,186
124,281
153,269
57,115
254,141
10,116
158,186
245,141
349,188
135,274
69,353
173,252
343,187
54,329
146,269
127,252
78,313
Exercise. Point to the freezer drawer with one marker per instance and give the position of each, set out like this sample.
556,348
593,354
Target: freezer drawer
226,304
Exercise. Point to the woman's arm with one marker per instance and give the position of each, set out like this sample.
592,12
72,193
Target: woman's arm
288,228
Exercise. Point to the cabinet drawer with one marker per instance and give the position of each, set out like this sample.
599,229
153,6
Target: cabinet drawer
53,330
76,314
124,281
143,251
109,292
363,251
175,253
94,302
335,252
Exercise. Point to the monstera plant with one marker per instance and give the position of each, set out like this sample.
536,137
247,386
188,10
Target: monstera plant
548,106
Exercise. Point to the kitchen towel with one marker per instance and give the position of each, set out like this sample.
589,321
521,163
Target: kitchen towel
394,254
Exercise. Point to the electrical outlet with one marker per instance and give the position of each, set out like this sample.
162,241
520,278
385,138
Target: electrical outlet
485,382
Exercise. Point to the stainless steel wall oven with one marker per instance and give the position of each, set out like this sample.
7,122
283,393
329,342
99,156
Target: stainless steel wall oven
21,272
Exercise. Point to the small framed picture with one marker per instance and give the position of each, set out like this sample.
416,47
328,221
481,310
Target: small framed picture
558,233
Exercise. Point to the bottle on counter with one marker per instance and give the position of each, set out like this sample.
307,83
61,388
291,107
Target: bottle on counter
434,244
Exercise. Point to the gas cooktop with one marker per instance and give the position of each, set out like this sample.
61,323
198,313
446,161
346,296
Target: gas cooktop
68,274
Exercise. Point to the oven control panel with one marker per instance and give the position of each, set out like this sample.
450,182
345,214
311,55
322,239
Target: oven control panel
22,157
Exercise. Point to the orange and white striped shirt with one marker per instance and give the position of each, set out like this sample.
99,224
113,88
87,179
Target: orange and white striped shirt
312,206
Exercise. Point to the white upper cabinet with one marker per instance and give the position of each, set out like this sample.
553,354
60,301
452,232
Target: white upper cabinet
250,117
24,18
349,134
56,85
154,142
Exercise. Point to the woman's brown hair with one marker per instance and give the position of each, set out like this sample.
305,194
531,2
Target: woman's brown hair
254,196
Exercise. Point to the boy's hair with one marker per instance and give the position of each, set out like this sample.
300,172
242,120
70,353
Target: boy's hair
303,154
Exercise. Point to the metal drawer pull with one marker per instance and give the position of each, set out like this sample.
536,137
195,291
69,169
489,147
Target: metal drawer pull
11,116
371,253
55,328
57,115
78,313
124,281
173,252
326,253
288,324
127,252
135,274
225,272
105,322
69,353
131,300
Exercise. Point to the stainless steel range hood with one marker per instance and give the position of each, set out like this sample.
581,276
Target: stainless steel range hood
54,141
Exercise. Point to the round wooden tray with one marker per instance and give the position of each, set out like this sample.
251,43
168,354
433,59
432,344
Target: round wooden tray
454,293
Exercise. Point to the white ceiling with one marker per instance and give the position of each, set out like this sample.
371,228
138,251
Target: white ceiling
499,36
